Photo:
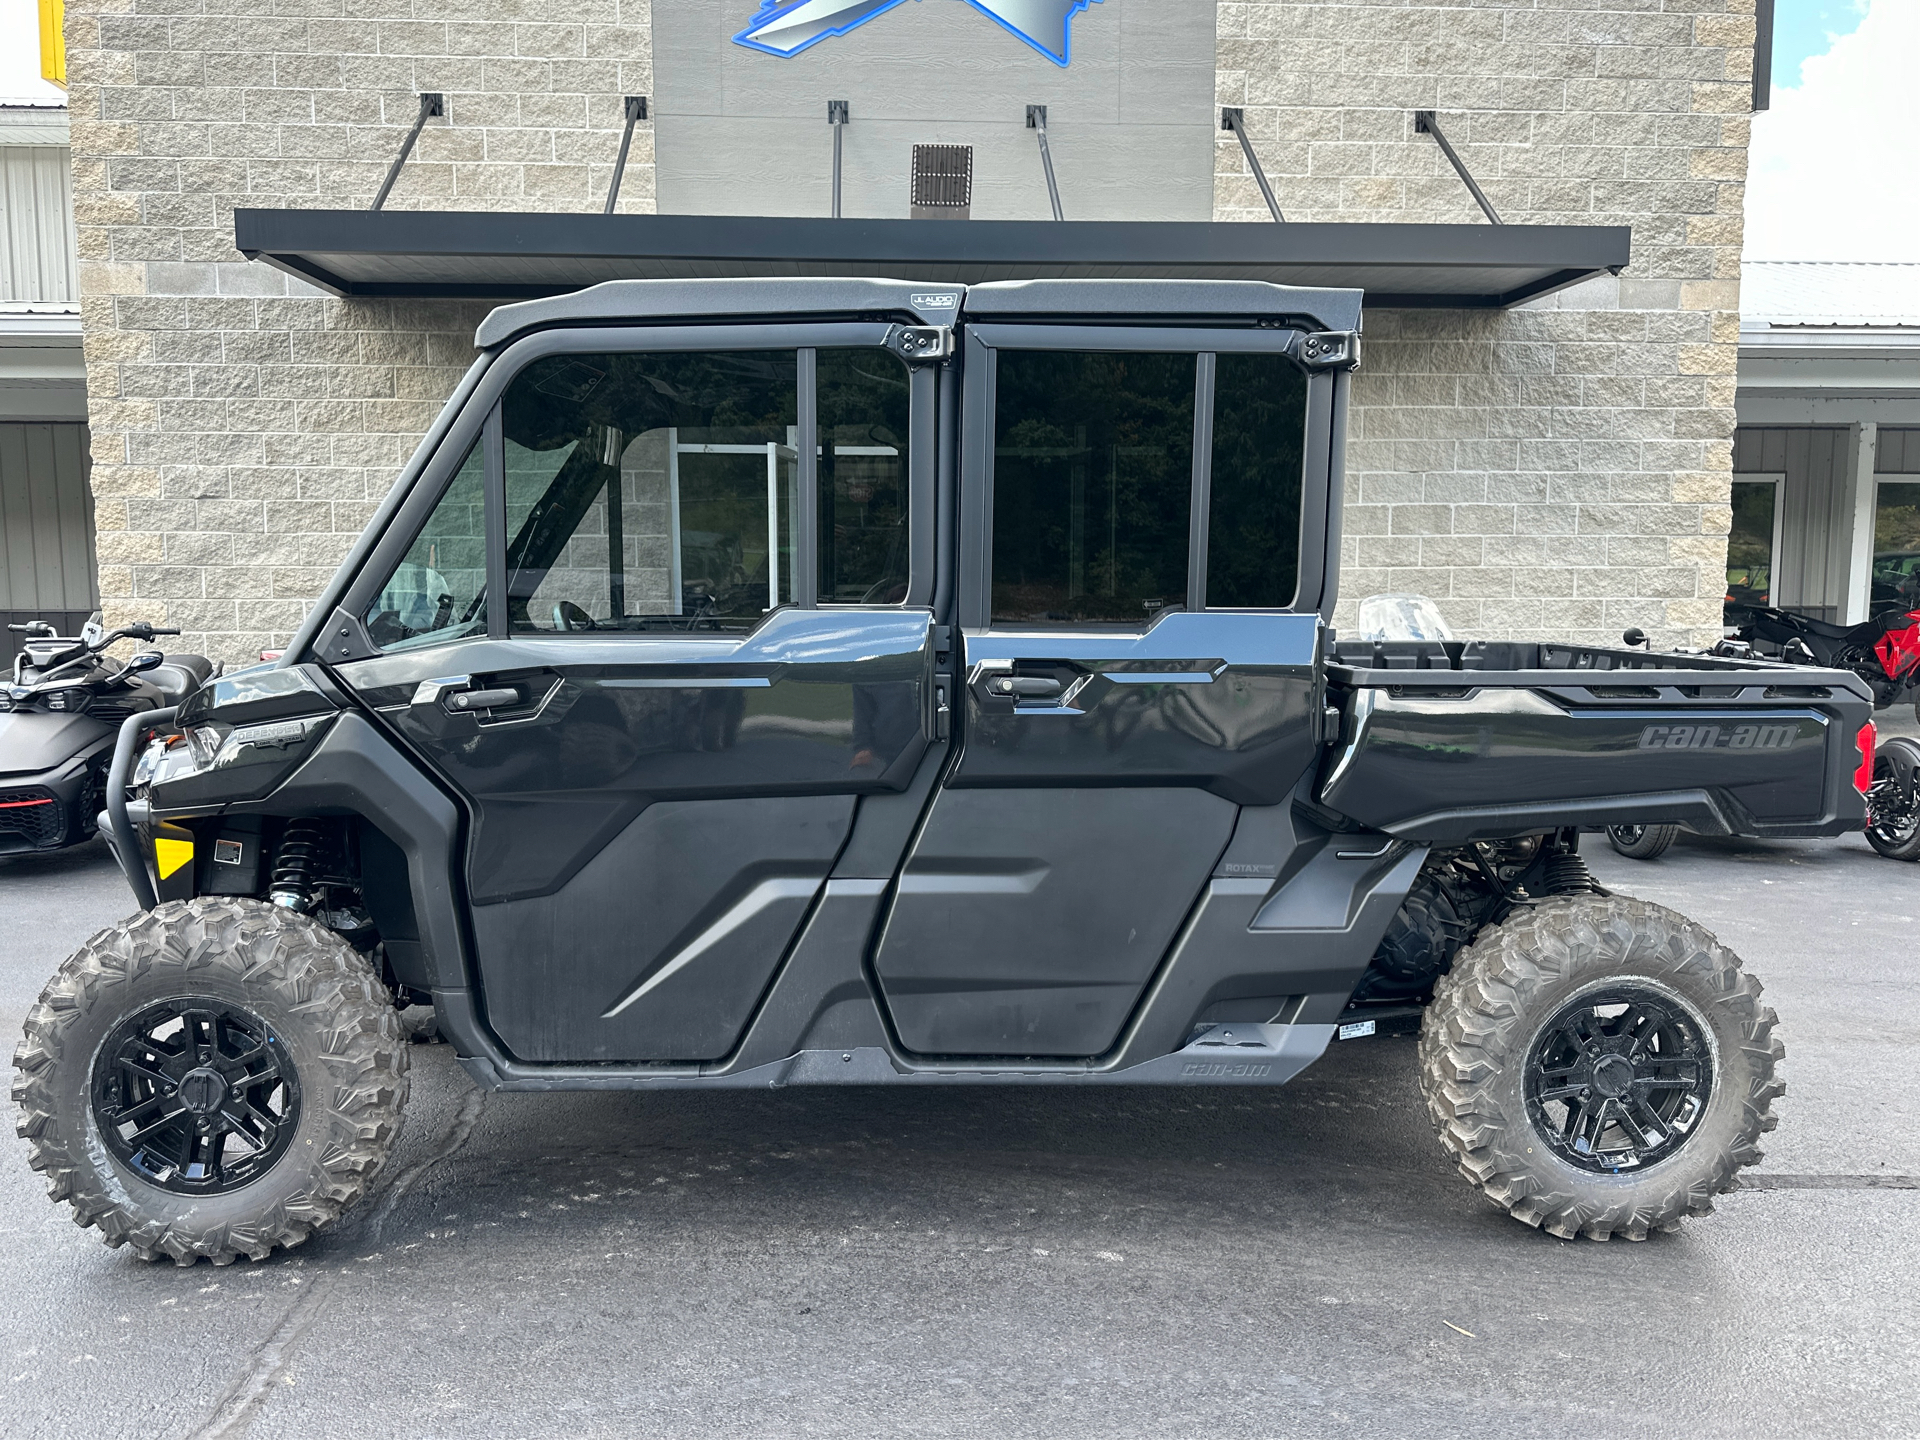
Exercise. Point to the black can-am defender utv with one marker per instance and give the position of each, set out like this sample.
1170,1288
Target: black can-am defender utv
859,682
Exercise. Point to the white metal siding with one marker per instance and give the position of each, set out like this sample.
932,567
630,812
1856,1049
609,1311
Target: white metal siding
46,519
1898,453
1810,572
37,247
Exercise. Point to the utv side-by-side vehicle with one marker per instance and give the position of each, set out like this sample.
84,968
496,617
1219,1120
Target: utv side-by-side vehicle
802,682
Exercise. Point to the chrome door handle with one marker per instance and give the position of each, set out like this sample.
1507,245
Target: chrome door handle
428,692
1025,687
455,695
463,701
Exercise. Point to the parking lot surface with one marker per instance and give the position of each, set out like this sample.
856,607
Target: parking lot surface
1299,1262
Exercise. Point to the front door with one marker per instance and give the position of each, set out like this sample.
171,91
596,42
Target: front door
662,627
1130,553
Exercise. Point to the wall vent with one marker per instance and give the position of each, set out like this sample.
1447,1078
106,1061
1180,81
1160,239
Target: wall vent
942,182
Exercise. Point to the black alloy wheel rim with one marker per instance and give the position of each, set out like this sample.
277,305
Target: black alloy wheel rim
1619,1079
1629,834
1892,814
196,1096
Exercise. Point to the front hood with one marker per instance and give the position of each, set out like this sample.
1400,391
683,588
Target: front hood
35,740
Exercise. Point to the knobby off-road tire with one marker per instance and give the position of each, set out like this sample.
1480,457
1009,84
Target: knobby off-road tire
1642,842
327,1012
1512,984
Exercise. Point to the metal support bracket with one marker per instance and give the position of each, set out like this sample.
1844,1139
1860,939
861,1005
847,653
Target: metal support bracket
1425,122
838,114
1329,350
1236,121
636,112
919,344
432,103
1037,122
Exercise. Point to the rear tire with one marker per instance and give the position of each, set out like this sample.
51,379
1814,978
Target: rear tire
1893,824
280,988
1642,842
1499,1010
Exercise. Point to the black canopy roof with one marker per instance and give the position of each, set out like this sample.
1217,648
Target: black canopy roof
508,256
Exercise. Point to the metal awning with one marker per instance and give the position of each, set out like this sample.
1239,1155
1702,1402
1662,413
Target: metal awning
505,256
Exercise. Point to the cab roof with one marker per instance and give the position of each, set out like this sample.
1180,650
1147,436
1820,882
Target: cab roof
1158,301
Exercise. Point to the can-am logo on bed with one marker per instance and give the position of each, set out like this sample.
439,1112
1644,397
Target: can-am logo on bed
786,27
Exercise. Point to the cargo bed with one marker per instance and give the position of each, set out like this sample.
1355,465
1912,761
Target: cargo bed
1450,742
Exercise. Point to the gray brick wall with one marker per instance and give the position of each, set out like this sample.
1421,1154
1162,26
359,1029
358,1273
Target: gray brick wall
244,424
1561,469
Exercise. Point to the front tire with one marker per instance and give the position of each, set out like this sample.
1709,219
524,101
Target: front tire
1642,842
1600,1066
212,1078
1893,805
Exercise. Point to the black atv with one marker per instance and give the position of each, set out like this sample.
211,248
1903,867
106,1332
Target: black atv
866,682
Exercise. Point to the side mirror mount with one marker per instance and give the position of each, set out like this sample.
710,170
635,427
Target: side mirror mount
1635,638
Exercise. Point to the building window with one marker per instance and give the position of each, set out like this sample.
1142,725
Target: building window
1751,544
1092,486
1896,544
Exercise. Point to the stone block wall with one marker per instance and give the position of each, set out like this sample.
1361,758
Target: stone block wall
1556,470
1560,469
244,424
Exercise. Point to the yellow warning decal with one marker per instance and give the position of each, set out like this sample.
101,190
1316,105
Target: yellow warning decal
170,855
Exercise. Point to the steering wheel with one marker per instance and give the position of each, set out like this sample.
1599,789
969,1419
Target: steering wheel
569,616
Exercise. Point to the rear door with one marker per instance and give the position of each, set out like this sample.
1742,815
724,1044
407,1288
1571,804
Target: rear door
1142,558
660,615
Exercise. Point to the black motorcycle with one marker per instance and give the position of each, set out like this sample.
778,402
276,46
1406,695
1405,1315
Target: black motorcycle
58,720
1884,651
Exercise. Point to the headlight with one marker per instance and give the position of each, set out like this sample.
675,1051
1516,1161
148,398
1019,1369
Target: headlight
71,700
175,756
150,758
204,741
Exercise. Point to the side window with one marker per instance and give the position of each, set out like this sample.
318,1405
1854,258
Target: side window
864,419
1253,508
651,491
438,592
1092,486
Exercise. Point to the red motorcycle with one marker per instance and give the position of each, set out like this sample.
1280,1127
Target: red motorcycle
1883,651
1893,800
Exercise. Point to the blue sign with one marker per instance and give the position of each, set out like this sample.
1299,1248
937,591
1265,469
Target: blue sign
786,27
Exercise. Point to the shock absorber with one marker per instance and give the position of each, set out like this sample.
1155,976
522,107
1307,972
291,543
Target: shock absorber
1564,872
296,865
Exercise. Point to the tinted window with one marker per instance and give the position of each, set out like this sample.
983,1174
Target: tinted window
651,491
1896,541
1253,508
438,592
1092,486
864,420
1750,544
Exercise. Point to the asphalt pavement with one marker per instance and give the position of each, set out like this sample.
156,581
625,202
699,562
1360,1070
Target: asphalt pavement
1006,1264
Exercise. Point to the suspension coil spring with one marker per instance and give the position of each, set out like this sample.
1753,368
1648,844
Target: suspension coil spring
1567,874
296,865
